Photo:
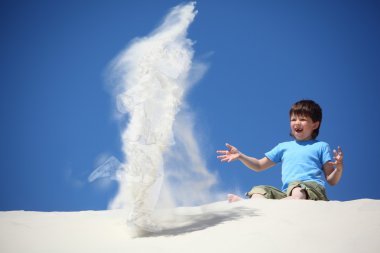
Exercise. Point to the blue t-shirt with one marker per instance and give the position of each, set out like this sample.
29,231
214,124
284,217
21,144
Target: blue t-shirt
301,160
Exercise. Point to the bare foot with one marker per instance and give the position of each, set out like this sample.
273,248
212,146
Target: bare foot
233,198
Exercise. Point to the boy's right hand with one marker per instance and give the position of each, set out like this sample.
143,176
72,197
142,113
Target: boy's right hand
229,155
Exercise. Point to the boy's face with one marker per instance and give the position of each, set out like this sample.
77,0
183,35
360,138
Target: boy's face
302,127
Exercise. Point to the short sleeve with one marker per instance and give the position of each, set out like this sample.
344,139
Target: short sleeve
326,153
275,155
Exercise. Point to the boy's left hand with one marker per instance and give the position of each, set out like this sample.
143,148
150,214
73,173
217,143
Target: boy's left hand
338,163
338,156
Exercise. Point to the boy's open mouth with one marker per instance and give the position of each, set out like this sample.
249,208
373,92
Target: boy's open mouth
298,130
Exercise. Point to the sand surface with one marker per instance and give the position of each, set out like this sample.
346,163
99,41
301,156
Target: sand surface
245,226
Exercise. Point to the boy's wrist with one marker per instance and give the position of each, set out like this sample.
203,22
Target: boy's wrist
339,166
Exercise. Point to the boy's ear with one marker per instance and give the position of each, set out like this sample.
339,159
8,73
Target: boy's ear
316,125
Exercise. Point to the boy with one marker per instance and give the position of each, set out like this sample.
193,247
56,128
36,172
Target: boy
304,159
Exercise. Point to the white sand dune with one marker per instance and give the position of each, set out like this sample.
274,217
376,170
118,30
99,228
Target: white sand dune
245,226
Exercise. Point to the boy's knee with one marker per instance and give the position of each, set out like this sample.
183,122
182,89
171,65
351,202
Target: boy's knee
298,193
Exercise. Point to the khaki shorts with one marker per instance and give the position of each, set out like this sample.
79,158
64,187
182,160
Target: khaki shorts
314,191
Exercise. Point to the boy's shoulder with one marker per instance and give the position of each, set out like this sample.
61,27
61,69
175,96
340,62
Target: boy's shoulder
321,143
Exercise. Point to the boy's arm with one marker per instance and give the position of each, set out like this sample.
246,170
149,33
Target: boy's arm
333,175
233,154
256,164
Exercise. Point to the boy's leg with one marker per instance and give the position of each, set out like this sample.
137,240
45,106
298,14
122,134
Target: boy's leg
259,192
297,193
296,190
258,196
306,190
265,191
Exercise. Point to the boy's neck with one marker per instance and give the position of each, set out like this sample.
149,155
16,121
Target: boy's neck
305,140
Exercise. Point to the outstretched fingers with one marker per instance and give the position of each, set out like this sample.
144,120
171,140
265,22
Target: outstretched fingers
224,156
229,146
338,156
228,155
338,153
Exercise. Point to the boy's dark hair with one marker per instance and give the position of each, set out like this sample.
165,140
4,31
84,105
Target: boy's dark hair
310,109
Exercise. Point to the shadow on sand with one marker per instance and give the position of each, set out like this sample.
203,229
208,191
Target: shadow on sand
183,223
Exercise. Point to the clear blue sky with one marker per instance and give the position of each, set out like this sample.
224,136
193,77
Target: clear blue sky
57,115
